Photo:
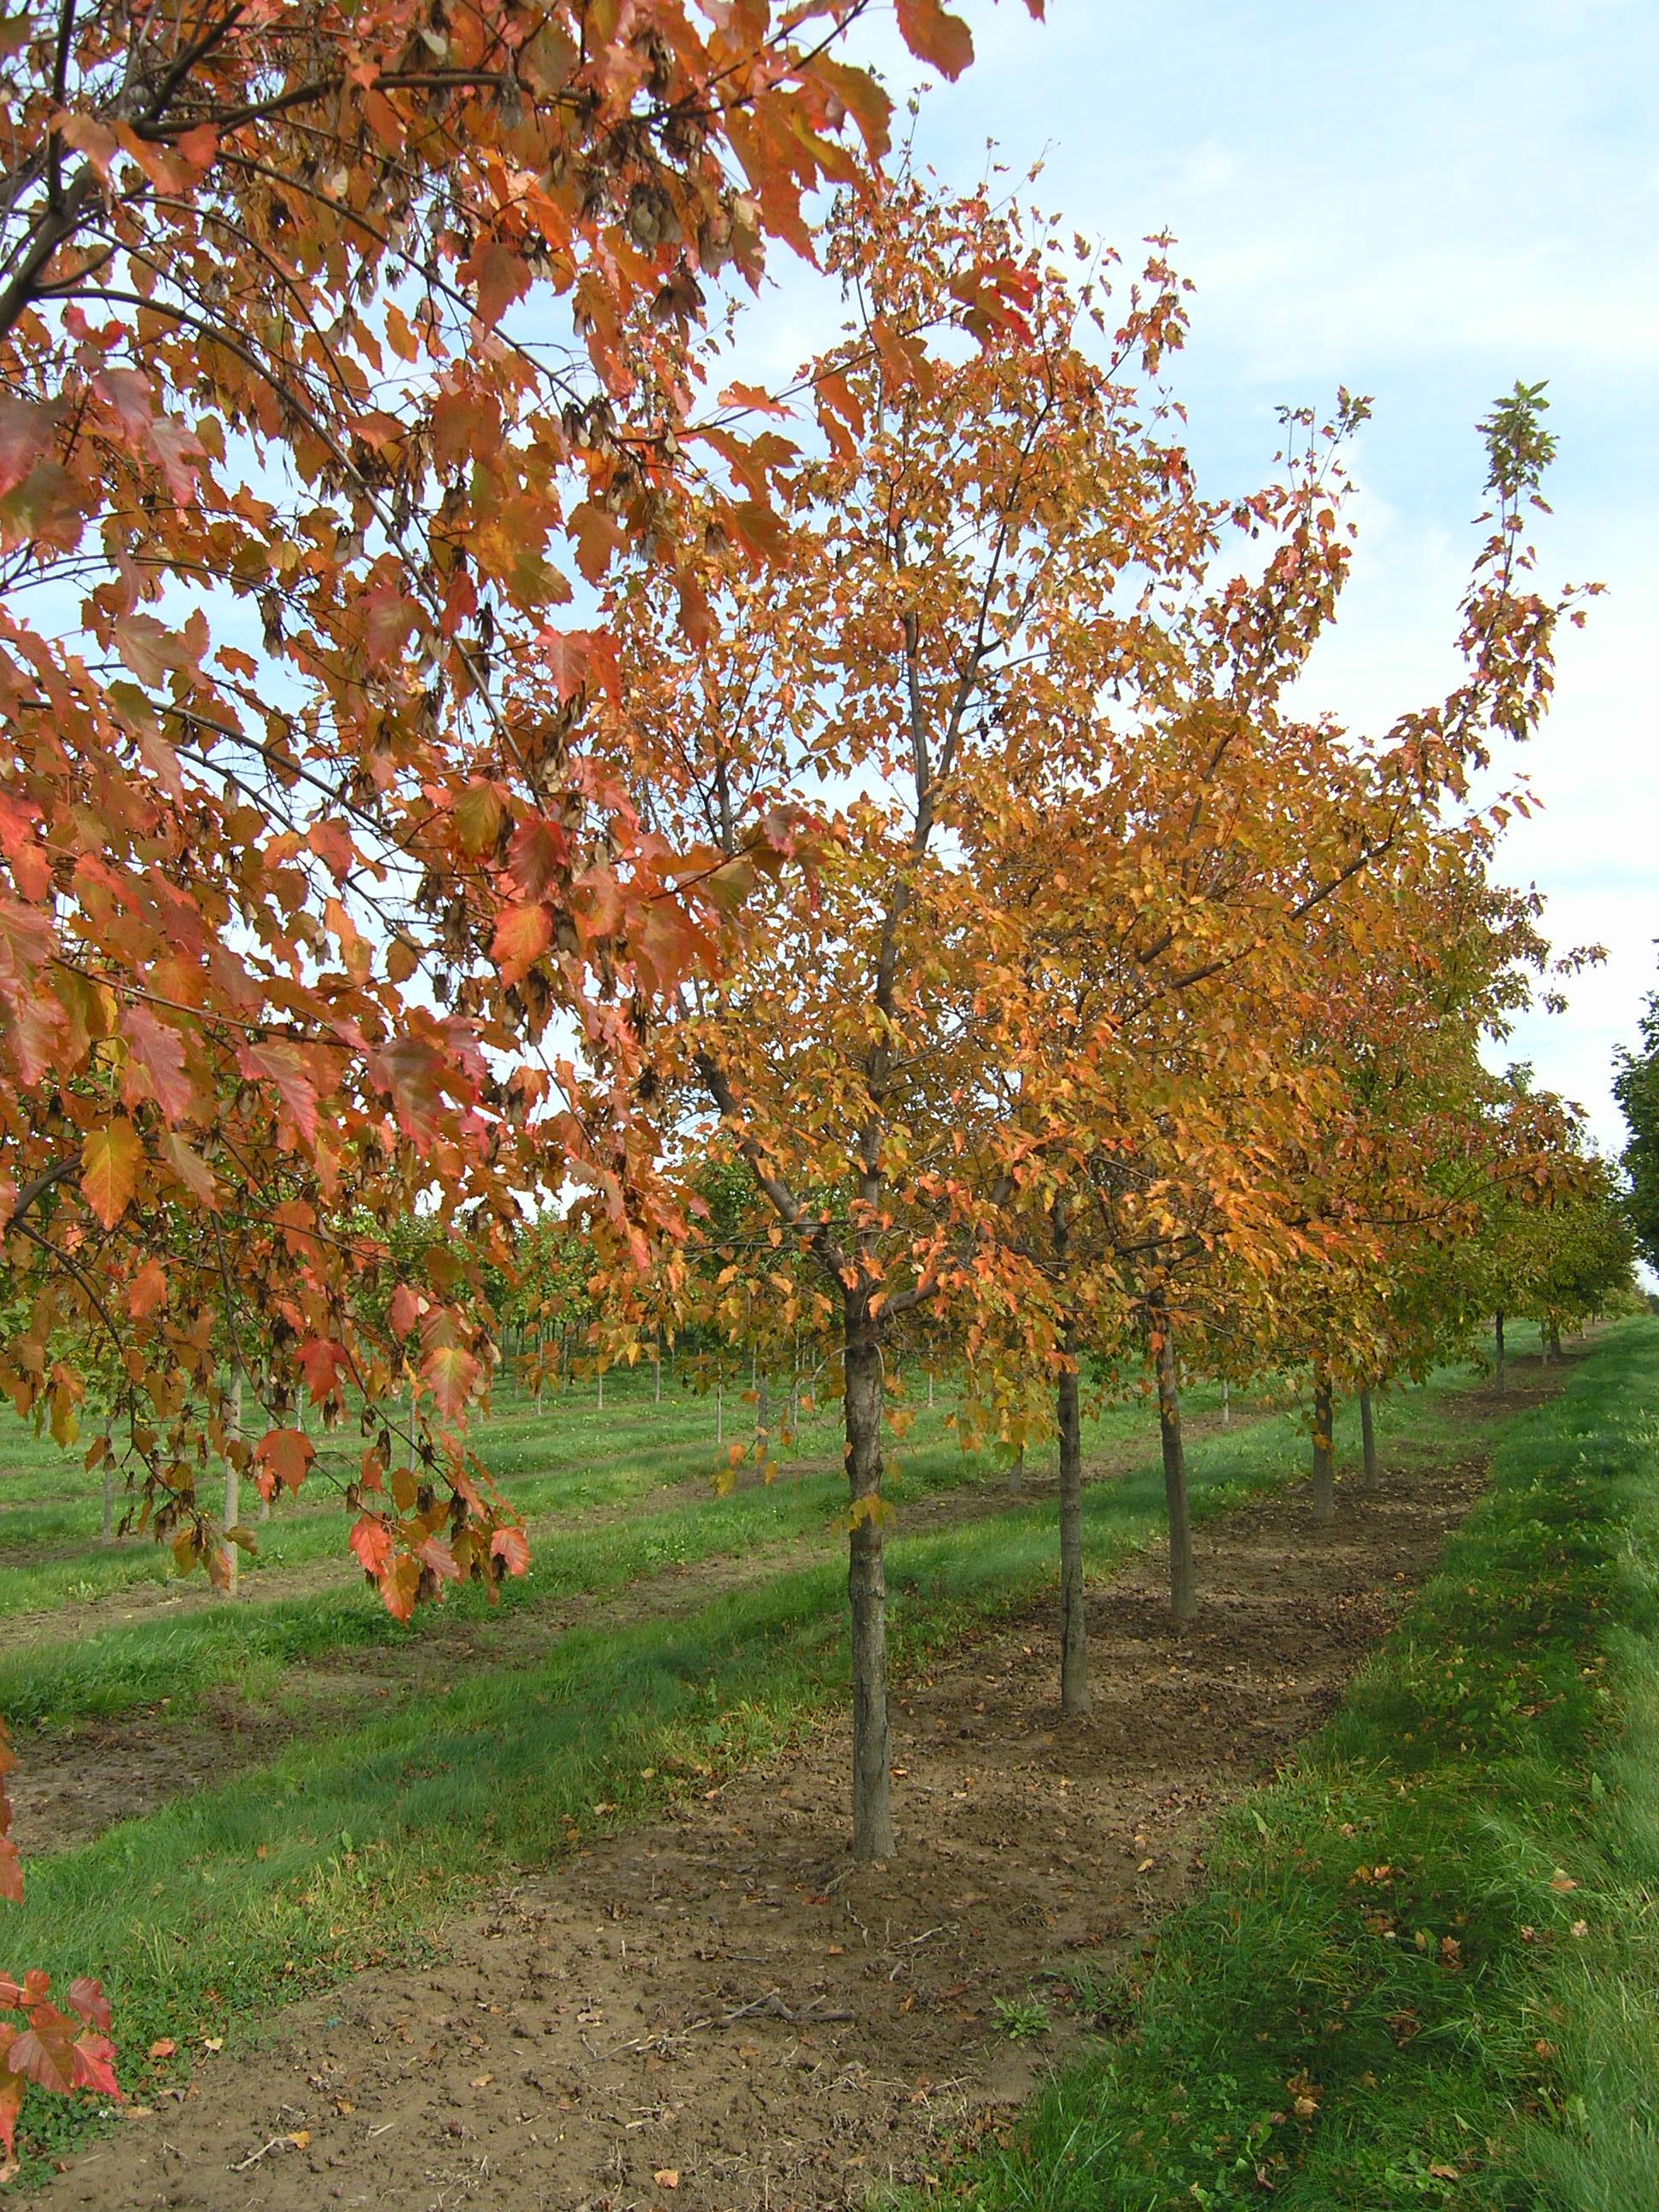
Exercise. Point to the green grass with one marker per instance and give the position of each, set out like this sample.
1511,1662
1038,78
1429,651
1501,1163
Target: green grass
1425,1968
583,1544
204,1916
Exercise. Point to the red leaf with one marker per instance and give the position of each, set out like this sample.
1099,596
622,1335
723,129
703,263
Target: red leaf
371,1540
437,1555
11,1872
285,1456
934,35
94,2060
87,1996
157,1049
512,1547
319,1361
12,2089
26,431
277,1065
451,1373
43,2050
478,816
407,1307
408,1069
538,855
523,933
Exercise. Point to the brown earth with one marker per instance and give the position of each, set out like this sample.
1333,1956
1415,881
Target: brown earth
716,2013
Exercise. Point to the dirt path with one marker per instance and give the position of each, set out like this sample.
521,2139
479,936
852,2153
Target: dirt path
714,2014
75,1782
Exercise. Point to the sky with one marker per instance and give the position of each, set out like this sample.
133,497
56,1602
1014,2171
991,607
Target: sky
1423,203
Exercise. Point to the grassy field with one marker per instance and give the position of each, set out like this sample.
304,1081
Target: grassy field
357,1837
1425,1969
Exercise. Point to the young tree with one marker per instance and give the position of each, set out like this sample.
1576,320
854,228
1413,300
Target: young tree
328,334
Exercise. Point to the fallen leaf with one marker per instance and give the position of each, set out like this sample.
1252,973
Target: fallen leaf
1563,1881
667,2176
482,2081
213,2043
163,2047
300,2138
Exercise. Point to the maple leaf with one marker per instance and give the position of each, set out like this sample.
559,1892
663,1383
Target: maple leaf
45,2050
284,1455
159,1050
147,1290
933,34
512,1548
478,816
371,1540
523,933
109,1159
276,1062
451,1373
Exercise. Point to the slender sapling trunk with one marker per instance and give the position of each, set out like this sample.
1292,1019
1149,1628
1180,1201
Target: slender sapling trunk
866,1590
1073,1620
1368,1435
1499,1363
1183,1580
1324,1455
233,1485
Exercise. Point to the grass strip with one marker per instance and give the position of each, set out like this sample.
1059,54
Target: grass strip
1425,1967
206,1916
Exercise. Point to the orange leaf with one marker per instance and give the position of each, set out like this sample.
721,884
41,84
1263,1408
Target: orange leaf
109,1170
934,35
147,1289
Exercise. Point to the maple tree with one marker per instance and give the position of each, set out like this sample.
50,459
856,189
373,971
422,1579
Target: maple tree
336,344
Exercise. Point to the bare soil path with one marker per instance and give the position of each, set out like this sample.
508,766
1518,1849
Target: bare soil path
714,2013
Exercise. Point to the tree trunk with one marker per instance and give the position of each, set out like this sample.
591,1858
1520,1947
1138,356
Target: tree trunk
656,1395
1368,1436
109,1502
1073,1620
233,1487
719,1411
1017,1471
1227,1404
1553,1340
541,1346
866,1590
601,1389
1324,1457
1184,1585
930,1389
1499,1368
763,1419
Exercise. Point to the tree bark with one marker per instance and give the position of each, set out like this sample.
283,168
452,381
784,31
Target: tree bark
866,1590
719,1411
1500,1365
233,1487
1324,1457
1184,1582
1073,1620
656,1395
1368,1435
1227,1404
